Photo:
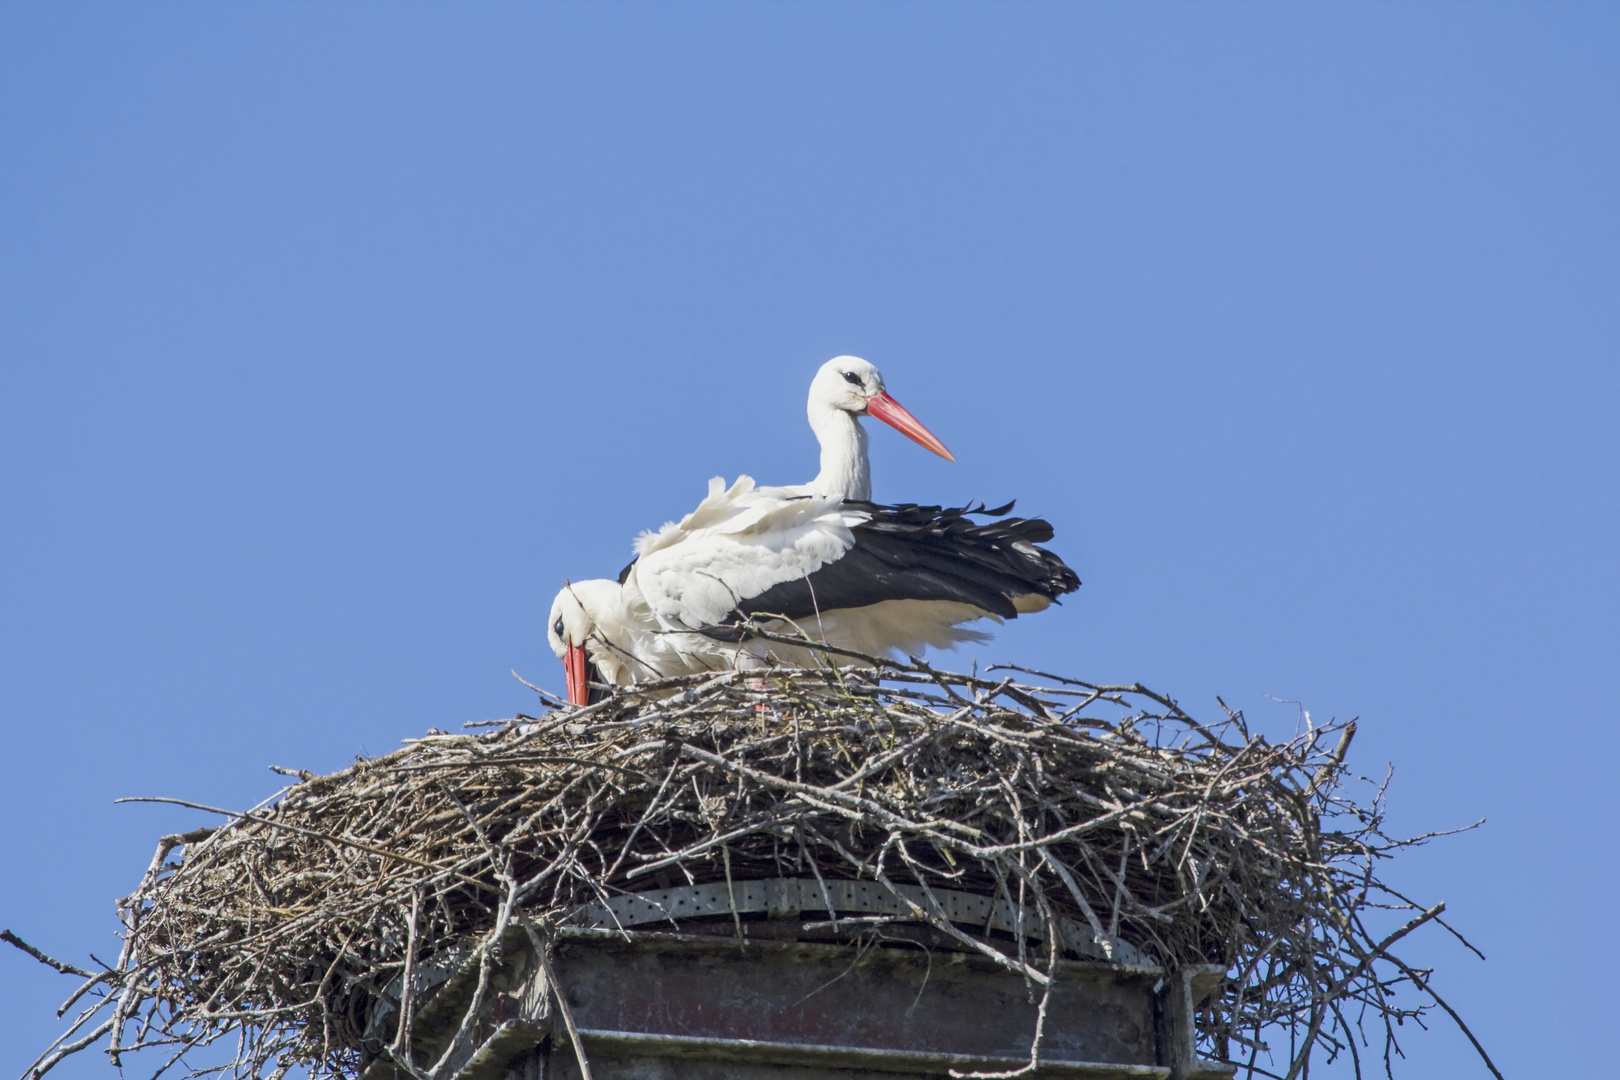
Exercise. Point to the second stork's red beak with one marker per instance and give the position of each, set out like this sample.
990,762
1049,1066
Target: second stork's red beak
577,669
888,410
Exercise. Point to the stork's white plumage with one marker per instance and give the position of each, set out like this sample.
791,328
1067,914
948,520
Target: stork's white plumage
739,542
844,390
856,575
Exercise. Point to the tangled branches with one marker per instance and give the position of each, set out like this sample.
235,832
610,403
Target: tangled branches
282,933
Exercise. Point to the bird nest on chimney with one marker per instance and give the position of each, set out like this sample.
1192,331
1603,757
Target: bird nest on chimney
1101,822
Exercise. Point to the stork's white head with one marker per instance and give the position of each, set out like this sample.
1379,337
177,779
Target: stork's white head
582,621
848,384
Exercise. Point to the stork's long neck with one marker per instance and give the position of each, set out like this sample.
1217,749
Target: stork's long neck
844,468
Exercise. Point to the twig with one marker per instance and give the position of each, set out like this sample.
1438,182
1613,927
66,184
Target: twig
544,953
64,968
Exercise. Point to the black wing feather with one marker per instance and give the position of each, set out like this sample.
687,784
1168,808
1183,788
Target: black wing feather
912,552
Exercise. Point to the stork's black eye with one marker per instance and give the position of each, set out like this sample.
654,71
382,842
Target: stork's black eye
851,377
558,627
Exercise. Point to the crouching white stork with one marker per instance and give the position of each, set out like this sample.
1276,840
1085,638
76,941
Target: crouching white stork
881,580
602,634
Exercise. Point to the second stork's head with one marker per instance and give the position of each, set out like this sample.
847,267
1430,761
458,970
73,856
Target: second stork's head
581,629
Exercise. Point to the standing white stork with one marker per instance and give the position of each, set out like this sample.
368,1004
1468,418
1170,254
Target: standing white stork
857,575
845,389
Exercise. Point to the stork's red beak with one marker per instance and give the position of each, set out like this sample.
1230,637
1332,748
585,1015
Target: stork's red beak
888,410
577,670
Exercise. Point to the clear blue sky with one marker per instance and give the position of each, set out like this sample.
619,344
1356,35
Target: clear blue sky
333,337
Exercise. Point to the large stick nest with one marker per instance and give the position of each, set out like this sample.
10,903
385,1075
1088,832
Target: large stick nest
1103,807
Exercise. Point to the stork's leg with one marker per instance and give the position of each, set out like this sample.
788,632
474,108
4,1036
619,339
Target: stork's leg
751,656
